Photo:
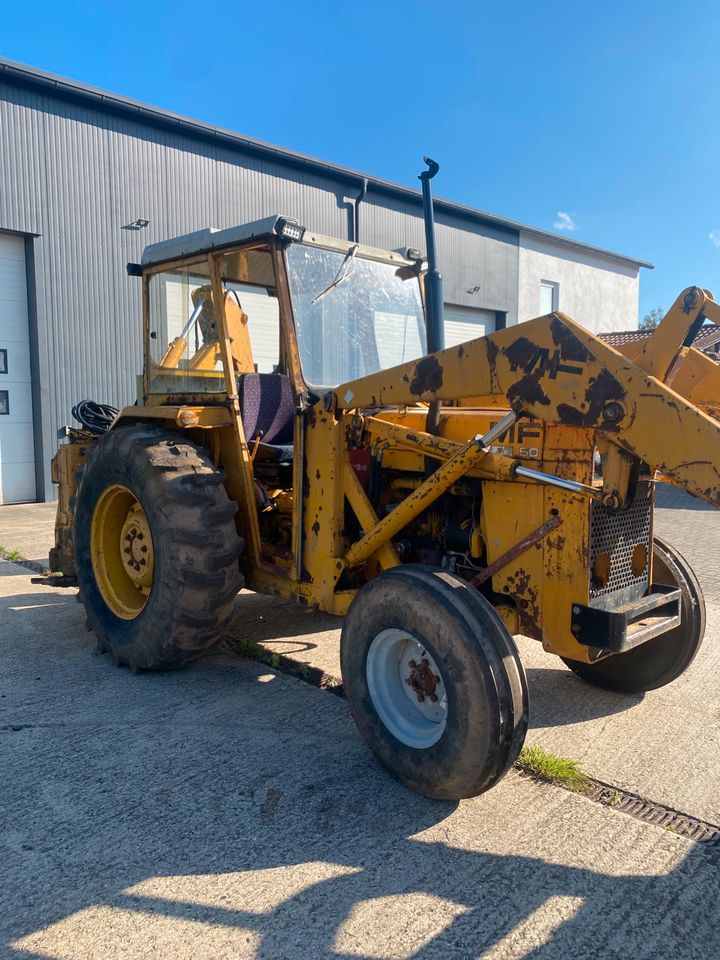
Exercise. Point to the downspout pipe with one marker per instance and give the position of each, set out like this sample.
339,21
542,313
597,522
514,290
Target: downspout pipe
434,304
356,214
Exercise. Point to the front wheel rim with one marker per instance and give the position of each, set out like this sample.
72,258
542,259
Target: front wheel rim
121,552
407,688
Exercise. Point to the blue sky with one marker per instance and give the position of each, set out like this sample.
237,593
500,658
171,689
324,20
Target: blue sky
606,113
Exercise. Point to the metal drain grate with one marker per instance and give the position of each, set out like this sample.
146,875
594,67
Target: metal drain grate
700,831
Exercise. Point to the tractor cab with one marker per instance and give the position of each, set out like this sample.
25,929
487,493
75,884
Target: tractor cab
302,314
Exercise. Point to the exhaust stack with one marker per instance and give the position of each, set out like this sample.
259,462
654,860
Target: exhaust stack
434,306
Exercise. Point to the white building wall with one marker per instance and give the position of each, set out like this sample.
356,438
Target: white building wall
600,293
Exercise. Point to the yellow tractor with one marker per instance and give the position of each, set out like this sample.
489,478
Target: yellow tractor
300,429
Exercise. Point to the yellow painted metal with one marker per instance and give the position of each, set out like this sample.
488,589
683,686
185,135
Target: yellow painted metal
547,579
554,370
656,355
237,455
436,484
364,511
66,465
323,509
206,371
696,377
494,466
205,360
173,354
121,552
236,321
204,417
617,470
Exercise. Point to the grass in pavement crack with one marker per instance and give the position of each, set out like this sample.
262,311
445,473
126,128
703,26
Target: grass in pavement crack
562,771
11,555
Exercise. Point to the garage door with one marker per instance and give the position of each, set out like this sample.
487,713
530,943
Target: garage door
17,460
466,323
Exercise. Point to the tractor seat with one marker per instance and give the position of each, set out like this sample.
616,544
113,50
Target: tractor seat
273,452
267,407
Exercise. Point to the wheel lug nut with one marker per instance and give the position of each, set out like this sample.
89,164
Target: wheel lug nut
141,536
144,549
143,562
126,550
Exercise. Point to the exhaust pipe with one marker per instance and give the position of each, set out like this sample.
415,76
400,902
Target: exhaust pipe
434,305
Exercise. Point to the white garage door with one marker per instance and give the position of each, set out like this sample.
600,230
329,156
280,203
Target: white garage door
466,323
17,459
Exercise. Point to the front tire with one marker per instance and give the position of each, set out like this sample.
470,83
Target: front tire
434,682
659,661
156,548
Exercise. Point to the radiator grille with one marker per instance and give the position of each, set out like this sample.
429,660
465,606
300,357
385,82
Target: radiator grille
616,533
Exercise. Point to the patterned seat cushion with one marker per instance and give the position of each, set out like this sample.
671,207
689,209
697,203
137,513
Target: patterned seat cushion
267,406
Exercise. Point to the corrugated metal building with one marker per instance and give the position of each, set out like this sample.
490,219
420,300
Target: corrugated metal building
79,167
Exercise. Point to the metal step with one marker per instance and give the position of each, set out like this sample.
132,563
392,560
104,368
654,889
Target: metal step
629,624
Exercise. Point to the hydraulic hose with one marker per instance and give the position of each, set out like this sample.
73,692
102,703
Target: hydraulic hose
95,417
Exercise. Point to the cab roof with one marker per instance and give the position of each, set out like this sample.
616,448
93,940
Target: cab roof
212,238
204,241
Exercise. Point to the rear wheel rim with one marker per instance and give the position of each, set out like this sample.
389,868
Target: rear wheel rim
121,551
407,688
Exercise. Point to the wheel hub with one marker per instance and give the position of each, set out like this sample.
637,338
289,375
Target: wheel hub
121,551
406,688
422,680
136,547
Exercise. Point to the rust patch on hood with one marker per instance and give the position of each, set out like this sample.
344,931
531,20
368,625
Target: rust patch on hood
565,339
526,598
492,351
601,390
527,392
521,353
428,376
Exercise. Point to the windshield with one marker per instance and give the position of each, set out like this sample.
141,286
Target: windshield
353,316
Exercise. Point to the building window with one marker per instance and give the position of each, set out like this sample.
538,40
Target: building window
4,403
3,361
549,297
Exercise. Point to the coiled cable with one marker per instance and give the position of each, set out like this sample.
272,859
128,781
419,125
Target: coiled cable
95,417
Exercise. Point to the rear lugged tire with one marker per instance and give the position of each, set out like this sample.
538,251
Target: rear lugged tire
663,659
176,494
434,681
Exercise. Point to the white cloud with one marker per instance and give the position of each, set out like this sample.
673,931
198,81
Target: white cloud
564,221
714,237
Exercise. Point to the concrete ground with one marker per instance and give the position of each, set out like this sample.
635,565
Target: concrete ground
29,529
229,811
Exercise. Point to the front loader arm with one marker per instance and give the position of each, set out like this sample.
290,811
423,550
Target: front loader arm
554,370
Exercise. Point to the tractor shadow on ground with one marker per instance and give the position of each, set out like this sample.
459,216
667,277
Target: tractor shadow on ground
262,618
558,697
